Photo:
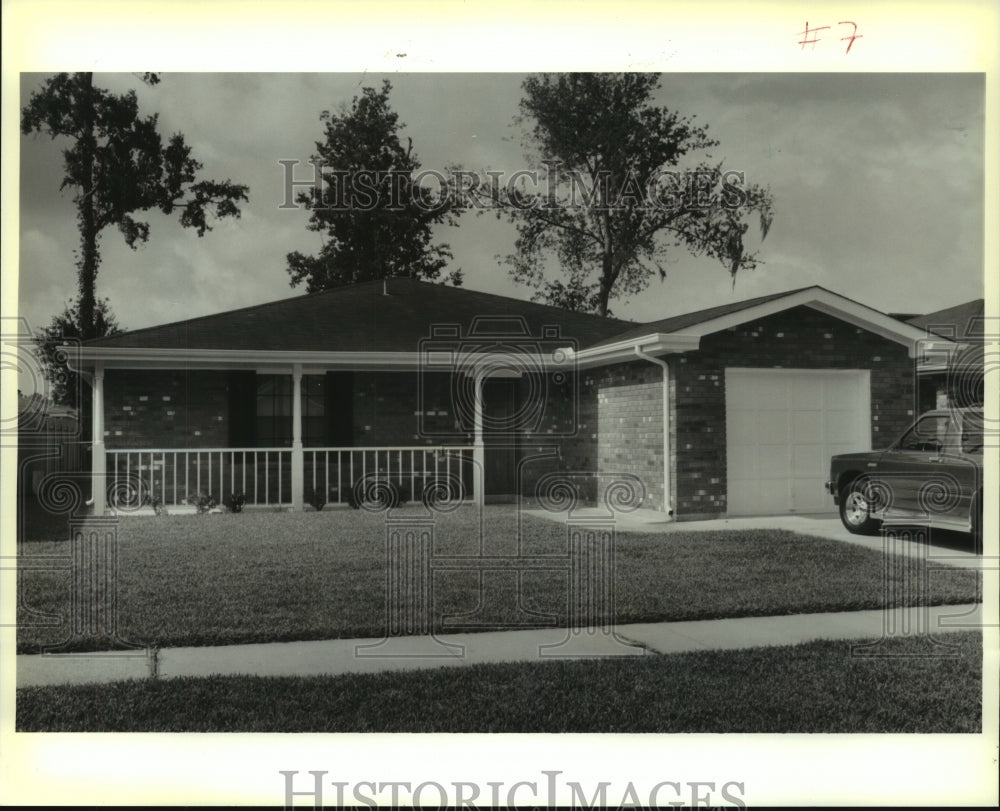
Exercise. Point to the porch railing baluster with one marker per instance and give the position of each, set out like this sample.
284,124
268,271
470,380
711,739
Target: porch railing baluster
133,471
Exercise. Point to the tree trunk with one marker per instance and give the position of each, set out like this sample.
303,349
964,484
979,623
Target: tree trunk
87,264
604,293
607,265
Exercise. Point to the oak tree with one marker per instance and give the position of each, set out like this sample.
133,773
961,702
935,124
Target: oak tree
619,187
118,166
375,215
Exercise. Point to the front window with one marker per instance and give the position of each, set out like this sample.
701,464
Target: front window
274,411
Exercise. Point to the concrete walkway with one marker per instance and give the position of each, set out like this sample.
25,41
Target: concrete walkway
822,525
335,657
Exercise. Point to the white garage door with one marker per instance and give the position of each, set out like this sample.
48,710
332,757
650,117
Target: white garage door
782,427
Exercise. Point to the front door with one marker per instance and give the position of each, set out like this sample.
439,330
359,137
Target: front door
500,436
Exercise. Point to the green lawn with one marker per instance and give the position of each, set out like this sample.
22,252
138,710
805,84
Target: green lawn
257,577
813,687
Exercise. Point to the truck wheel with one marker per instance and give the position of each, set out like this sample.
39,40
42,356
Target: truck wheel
855,509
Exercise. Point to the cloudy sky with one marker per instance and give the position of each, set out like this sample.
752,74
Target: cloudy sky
877,181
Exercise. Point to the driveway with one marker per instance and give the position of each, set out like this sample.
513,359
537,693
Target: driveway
948,548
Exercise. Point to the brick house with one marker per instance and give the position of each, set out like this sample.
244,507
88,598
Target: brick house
732,410
950,373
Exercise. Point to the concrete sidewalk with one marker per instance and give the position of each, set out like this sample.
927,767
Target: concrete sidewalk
822,525
339,656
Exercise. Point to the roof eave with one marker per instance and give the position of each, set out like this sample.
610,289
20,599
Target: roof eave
655,343
276,361
831,304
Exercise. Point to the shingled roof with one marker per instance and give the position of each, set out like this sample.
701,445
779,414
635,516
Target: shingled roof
963,321
360,317
680,322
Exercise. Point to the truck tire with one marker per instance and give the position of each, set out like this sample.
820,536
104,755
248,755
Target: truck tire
855,509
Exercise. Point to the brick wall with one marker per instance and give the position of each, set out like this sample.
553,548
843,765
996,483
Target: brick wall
622,408
800,338
165,409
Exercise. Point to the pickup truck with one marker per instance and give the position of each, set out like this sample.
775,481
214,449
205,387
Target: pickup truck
931,476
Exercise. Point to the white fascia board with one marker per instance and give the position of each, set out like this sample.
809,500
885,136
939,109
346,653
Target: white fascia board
281,361
155,358
825,302
656,343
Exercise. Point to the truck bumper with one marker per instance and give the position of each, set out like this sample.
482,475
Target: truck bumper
831,488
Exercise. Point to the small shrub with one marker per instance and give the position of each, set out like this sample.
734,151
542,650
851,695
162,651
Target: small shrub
235,502
317,501
202,502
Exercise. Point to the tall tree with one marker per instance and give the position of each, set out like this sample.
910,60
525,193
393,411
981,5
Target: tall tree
118,165
376,216
613,199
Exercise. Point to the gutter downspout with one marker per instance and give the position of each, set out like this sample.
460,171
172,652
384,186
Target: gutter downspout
667,506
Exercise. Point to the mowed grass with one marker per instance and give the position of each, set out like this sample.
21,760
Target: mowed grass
259,577
812,687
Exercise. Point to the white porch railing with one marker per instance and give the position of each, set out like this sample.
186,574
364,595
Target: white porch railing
264,476
334,473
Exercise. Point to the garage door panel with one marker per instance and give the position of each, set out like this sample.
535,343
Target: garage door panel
747,497
742,423
809,495
807,459
782,427
841,425
807,426
773,461
771,499
805,392
743,462
765,394
772,427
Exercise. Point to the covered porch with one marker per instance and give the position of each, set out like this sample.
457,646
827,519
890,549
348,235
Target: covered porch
178,428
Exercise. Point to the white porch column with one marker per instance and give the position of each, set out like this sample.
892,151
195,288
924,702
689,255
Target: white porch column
298,457
98,461
478,448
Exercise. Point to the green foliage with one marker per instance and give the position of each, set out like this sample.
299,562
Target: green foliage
385,230
603,133
236,502
52,354
117,165
203,502
268,577
811,687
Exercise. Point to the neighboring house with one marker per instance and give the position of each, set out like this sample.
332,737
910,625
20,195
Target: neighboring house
48,439
733,410
950,373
